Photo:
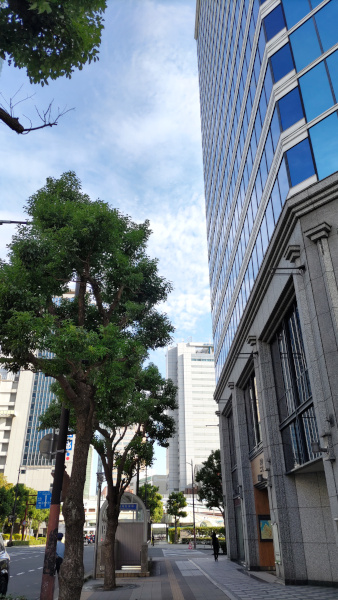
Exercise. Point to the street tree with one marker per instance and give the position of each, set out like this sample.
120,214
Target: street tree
175,504
153,500
50,39
6,504
210,478
145,416
93,345
39,516
126,431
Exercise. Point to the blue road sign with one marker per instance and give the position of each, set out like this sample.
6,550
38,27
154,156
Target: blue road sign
128,506
43,500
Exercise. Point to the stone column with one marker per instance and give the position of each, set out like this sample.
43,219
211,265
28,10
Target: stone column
282,489
249,516
319,235
225,407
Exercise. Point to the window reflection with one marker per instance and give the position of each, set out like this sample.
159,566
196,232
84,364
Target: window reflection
295,10
316,91
282,62
332,63
274,22
324,138
305,44
326,21
300,162
290,109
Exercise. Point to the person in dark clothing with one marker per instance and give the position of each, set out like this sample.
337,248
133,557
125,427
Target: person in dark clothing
215,545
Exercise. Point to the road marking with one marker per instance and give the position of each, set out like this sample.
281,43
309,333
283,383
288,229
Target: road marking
21,573
40,567
31,570
175,588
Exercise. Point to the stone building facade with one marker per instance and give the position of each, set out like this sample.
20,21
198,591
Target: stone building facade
278,397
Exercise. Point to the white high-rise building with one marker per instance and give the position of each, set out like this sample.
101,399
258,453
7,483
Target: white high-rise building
191,367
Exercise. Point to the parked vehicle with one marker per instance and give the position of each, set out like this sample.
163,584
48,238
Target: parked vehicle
4,568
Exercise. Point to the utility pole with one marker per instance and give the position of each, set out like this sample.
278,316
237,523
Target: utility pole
193,500
48,574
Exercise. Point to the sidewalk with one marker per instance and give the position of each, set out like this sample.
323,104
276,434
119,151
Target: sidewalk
182,574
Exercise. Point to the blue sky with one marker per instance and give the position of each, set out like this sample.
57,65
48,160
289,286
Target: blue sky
133,140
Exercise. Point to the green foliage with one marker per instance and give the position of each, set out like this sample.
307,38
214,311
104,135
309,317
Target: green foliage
175,503
210,477
95,344
6,503
153,500
50,38
202,533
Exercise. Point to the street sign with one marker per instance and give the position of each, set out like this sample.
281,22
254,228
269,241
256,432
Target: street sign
43,500
128,506
48,445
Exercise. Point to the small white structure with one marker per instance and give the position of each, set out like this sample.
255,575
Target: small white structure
131,544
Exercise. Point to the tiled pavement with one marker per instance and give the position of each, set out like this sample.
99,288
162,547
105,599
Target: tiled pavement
238,585
180,574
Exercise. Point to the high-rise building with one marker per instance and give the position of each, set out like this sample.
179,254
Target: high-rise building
268,73
191,367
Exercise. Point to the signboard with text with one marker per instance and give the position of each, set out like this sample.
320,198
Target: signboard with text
43,500
128,506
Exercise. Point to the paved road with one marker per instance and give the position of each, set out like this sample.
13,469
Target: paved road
26,569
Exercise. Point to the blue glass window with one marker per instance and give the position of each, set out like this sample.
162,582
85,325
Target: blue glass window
324,138
276,202
295,10
282,62
274,22
275,129
316,91
305,44
290,109
283,181
300,162
332,63
326,21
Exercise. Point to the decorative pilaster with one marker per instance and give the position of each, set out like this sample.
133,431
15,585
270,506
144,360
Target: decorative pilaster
319,235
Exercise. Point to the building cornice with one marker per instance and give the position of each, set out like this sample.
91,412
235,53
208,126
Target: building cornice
197,17
306,201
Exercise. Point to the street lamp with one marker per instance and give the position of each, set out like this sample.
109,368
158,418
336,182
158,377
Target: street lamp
100,479
193,500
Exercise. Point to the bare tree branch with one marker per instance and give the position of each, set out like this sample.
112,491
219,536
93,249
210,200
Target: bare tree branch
47,117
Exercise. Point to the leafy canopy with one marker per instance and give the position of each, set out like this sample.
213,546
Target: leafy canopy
210,477
50,38
175,504
97,337
153,500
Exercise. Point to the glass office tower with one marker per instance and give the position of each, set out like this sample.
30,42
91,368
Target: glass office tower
269,89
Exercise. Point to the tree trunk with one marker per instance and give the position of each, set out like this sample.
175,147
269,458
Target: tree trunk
72,570
113,511
175,530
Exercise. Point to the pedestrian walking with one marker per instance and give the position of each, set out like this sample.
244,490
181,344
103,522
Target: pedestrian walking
215,545
153,540
60,552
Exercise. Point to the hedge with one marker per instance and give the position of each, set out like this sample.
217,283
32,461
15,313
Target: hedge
32,542
201,532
